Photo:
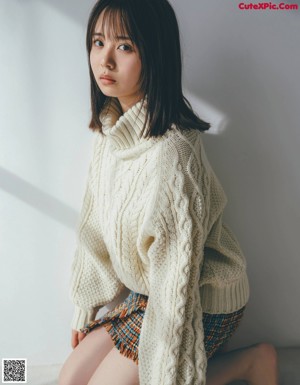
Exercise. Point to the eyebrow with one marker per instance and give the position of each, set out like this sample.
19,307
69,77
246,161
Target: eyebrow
117,37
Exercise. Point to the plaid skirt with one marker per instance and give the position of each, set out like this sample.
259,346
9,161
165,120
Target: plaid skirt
124,323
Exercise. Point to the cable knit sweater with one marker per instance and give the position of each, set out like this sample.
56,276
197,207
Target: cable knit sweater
151,221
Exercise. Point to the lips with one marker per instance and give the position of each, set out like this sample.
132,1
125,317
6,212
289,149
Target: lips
107,78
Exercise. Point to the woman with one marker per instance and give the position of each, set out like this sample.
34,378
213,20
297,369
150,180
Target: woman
151,221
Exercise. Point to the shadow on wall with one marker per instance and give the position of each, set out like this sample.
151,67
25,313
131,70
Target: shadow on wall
38,199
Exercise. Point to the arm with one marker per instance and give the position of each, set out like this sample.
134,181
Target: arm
171,348
93,282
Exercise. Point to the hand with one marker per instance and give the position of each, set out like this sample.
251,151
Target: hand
77,337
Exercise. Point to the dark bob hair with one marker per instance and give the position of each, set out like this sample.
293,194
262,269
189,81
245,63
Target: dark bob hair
152,26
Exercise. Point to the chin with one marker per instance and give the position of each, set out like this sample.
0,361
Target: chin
106,91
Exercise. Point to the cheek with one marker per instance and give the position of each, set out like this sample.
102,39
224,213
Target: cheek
93,62
135,69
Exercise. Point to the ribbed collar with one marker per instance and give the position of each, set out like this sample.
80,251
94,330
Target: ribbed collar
123,129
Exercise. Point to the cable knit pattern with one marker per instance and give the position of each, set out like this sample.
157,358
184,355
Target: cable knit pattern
152,221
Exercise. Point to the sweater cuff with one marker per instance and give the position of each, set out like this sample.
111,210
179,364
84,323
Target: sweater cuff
81,317
226,299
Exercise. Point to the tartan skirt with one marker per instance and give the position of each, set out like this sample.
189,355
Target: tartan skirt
124,323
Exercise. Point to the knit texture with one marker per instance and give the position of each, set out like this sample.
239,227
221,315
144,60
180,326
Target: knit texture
151,220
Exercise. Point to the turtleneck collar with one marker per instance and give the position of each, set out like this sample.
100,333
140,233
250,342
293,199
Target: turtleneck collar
123,130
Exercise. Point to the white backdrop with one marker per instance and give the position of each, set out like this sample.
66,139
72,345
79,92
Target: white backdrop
241,72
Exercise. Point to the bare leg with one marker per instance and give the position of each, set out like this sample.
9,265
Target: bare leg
116,369
257,365
85,358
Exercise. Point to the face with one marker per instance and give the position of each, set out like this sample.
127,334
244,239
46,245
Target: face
118,60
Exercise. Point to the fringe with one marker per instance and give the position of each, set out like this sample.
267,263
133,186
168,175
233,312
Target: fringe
132,304
125,350
140,304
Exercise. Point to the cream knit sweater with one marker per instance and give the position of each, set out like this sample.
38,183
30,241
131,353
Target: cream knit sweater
151,220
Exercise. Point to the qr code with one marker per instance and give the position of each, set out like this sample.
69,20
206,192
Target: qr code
14,370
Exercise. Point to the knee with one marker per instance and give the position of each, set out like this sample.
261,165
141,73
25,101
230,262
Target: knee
268,350
67,376
63,377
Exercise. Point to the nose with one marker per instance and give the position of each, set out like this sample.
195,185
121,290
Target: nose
107,59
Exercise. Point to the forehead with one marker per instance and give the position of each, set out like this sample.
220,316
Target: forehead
109,23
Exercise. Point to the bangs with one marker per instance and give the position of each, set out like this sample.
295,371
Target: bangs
115,22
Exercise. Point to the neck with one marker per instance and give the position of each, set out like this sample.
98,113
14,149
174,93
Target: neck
124,130
126,103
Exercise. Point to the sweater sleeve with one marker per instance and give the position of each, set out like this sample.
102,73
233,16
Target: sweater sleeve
93,282
171,347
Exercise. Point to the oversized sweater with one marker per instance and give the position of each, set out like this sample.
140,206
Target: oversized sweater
151,221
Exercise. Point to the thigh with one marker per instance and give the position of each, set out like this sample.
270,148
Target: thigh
86,357
116,369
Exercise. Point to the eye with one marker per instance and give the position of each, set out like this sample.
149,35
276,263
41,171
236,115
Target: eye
95,42
129,48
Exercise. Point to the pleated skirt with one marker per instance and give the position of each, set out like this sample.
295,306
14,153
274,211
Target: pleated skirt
124,322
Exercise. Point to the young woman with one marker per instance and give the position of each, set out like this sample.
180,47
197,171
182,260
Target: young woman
151,221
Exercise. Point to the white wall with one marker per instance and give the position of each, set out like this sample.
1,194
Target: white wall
246,64
44,155
241,69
